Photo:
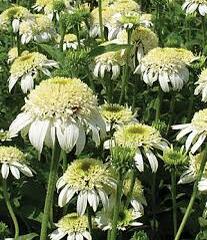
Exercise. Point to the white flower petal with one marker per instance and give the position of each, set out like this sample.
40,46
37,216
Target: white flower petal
37,133
152,160
139,163
82,202
15,172
198,143
5,170
87,235
62,198
190,139
27,82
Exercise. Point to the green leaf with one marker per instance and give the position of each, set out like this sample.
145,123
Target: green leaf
53,52
29,236
108,48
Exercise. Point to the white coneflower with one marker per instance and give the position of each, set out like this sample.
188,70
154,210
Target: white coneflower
191,173
39,28
52,8
142,39
89,178
73,226
197,131
123,21
126,218
14,16
145,139
108,11
115,115
70,41
191,6
60,107
26,68
110,62
202,85
146,20
13,54
168,66
12,159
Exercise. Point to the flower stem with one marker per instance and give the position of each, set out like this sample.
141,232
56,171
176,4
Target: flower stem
129,197
50,190
78,35
11,211
62,39
174,205
193,196
171,111
159,105
153,204
125,76
101,19
116,208
18,44
204,31
90,225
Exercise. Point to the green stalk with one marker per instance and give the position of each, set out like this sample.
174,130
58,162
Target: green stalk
190,106
193,196
18,44
62,39
204,31
153,203
171,111
101,19
159,105
125,76
90,225
10,209
77,28
174,204
129,197
50,190
116,208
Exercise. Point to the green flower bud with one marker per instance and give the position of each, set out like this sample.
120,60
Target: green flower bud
174,157
141,235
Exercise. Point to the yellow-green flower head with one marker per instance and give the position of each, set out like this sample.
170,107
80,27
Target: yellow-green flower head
14,16
12,159
145,139
165,66
90,179
192,172
115,114
183,54
4,136
60,107
51,7
174,157
110,62
191,6
137,191
196,130
39,28
27,67
13,54
146,20
70,41
73,225
202,85
127,218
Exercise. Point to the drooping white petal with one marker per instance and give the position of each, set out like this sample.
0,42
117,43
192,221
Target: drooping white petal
62,198
180,126
26,171
37,133
80,144
21,121
184,132
82,202
202,185
202,9
104,198
57,234
5,170
198,143
96,69
15,172
60,183
191,8
15,25
27,82
186,177
152,160
87,235
93,199
164,80
12,81
79,236
190,139
139,163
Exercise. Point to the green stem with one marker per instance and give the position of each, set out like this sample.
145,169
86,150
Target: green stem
78,35
193,196
101,19
171,111
116,208
62,39
125,76
18,44
174,205
131,189
204,31
153,204
50,190
90,225
10,209
159,105
190,106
